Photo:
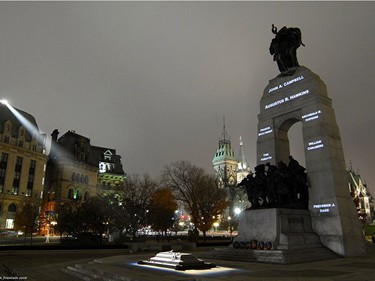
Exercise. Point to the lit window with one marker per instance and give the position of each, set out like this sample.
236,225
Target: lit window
9,224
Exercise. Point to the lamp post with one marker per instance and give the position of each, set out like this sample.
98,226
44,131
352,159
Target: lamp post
216,225
53,223
228,177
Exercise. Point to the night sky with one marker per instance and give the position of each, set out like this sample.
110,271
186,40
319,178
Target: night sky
153,80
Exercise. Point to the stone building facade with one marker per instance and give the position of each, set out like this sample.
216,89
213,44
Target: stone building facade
22,162
364,201
77,170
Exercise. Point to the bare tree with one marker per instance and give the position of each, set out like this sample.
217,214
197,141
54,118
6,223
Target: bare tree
197,191
136,201
162,209
26,219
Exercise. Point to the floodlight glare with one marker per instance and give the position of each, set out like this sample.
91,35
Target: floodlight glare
5,102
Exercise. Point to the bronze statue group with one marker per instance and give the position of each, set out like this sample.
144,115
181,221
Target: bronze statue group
281,186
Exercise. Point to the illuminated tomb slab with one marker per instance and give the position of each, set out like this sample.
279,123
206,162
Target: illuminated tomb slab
177,261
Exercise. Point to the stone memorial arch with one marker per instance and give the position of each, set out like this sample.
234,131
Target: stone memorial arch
301,96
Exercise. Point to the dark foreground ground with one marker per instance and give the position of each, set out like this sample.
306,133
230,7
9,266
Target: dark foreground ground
49,264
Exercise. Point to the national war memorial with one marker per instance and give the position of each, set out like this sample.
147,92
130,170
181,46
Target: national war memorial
313,207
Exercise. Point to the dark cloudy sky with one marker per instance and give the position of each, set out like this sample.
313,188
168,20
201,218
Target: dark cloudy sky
154,79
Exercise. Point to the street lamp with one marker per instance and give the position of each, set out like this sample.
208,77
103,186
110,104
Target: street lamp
216,225
230,227
237,211
53,227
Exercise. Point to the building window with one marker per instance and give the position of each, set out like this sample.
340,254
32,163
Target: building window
3,169
73,177
86,197
76,195
19,162
15,190
12,208
70,193
4,157
108,155
9,224
6,139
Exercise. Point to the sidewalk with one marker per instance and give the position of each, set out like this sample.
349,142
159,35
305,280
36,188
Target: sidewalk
125,267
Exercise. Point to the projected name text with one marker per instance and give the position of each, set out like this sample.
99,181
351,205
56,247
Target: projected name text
299,78
266,156
265,131
315,145
311,116
286,99
324,208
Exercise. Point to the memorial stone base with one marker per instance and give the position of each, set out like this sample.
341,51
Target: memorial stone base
286,229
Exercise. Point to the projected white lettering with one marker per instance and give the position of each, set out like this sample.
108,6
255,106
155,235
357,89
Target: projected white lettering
274,103
287,83
324,208
299,94
311,116
266,156
315,145
265,131
273,89
286,99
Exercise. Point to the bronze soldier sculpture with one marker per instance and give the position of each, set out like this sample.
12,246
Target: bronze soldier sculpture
284,48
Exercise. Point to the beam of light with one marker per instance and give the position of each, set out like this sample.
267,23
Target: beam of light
31,128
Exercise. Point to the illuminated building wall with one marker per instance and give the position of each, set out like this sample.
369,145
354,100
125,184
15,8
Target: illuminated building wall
22,163
225,163
77,170
361,196
229,170
111,175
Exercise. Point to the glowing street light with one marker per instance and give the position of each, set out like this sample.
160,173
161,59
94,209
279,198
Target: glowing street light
5,102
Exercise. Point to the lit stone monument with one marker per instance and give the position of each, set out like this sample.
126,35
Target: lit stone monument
299,95
177,261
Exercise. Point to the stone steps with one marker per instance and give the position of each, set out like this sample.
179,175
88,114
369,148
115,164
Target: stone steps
270,256
97,270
